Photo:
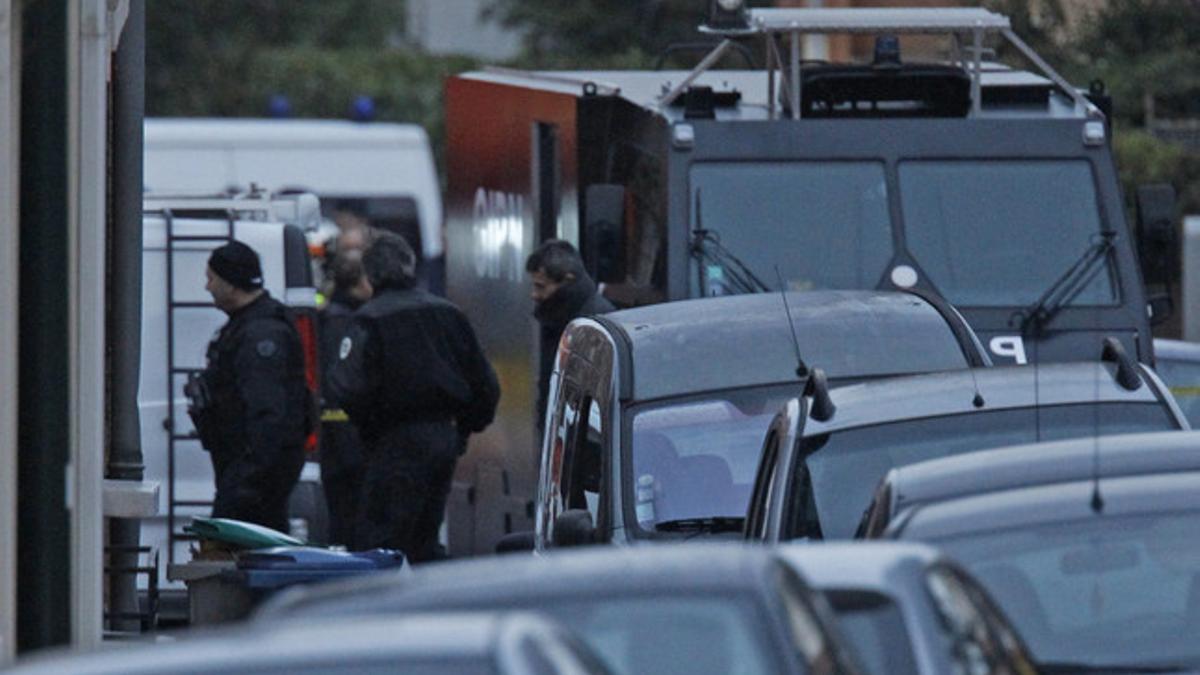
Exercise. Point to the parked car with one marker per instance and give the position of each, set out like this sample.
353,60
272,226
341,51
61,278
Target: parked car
507,643
1089,545
1178,364
656,414
694,609
909,610
826,451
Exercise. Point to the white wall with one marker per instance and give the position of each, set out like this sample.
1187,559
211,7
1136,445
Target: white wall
454,27
90,41
10,32
1191,279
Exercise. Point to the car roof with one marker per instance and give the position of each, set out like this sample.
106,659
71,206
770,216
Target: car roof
953,393
866,565
1176,350
745,340
537,580
1044,463
464,635
1031,506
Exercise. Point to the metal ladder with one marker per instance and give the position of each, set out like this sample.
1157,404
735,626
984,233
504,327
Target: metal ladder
174,372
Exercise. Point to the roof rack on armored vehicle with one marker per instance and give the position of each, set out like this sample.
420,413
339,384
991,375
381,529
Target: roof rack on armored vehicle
967,26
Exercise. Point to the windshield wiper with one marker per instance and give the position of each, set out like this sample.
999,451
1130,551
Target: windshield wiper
708,247
711,525
1067,668
1064,289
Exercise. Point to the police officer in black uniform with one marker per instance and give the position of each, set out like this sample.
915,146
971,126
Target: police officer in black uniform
251,404
416,383
343,463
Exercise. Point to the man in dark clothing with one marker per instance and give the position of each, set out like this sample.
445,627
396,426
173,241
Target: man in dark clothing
414,380
343,464
561,291
250,405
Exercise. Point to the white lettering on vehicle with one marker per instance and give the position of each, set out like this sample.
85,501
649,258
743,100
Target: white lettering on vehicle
499,226
1009,347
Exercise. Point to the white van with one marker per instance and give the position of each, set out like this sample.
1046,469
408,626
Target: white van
382,170
179,319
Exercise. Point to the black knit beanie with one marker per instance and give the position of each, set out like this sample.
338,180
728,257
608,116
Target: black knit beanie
238,264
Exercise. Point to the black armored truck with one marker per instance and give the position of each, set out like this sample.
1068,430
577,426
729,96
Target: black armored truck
990,186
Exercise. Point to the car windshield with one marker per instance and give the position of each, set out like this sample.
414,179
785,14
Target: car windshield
835,481
667,634
875,627
999,233
1105,591
769,214
696,458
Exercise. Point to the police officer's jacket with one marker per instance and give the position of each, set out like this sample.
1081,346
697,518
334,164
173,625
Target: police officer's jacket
258,405
409,356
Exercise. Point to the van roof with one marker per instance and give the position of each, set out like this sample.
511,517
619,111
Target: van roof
247,132
692,346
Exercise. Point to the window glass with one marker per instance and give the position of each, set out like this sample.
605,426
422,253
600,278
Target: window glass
833,484
1105,592
824,224
698,457
586,461
557,466
973,648
669,634
999,233
875,627
1183,377
364,666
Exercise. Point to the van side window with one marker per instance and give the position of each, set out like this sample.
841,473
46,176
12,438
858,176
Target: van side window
556,463
586,460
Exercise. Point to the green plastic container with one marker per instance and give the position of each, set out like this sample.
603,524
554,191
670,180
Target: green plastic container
239,534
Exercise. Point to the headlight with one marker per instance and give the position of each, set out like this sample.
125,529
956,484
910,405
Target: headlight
730,5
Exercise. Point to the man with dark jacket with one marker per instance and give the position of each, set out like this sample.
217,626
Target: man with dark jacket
343,464
414,380
251,404
561,291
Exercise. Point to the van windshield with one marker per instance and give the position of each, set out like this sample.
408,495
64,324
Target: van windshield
999,233
696,458
824,224
833,485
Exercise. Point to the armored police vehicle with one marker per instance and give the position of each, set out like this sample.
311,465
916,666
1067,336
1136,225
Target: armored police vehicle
826,451
657,414
990,186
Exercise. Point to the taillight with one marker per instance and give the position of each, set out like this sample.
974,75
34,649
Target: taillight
306,325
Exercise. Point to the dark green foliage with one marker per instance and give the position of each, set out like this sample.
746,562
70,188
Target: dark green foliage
1146,48
605,33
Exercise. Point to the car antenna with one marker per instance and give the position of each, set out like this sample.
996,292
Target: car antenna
1098,500
801,367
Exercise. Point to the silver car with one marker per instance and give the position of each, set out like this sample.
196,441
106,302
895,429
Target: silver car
427,644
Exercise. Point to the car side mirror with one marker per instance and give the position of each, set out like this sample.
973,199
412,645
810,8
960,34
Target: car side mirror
1157,238
573,527
604,232
516,542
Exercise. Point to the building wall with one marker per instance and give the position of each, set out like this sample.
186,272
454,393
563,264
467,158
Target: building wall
456,27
